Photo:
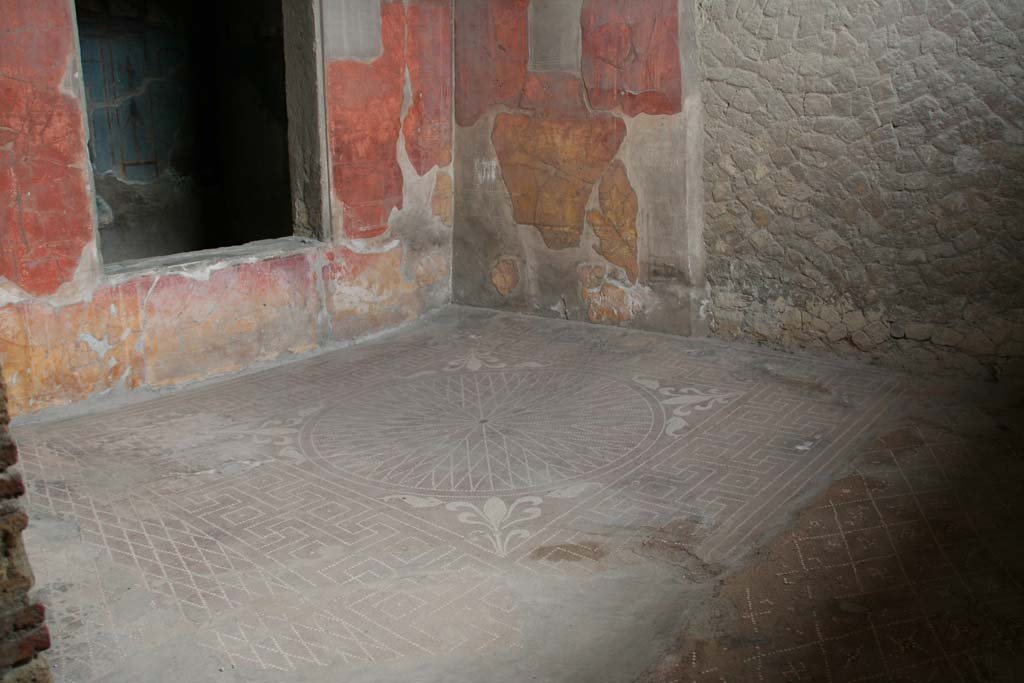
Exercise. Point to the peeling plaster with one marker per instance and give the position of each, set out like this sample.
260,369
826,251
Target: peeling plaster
655,152
164,309
99,346
80,287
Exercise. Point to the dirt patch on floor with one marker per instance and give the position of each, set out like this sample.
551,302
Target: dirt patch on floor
569,552
674,543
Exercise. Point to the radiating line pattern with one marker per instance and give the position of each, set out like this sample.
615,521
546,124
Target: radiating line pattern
482,432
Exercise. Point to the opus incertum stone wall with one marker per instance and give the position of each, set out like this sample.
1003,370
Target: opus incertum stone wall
864,177
23,633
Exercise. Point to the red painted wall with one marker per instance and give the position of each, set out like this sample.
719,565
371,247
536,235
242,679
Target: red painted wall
364,110
491,53
45,218
428,56
68,332
559,137
631,56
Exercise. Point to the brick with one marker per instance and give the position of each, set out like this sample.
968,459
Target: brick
35,671
21,646
11,485
8,452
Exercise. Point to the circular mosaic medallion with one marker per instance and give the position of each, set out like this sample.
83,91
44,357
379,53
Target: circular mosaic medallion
484,432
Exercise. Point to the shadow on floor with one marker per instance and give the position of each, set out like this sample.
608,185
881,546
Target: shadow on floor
908,569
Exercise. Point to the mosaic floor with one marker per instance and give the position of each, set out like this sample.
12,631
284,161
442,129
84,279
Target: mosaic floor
909,568
481,496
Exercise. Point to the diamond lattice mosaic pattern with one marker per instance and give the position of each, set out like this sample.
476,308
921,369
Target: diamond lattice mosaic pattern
388,502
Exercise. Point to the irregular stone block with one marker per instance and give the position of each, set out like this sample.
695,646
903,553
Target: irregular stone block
23,633
8,452
11,484
842,180
15,573
35,671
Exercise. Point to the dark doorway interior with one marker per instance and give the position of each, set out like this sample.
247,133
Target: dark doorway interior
188,126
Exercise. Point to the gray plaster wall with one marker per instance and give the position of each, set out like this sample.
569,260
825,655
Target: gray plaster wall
554,35
355,29
864,178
